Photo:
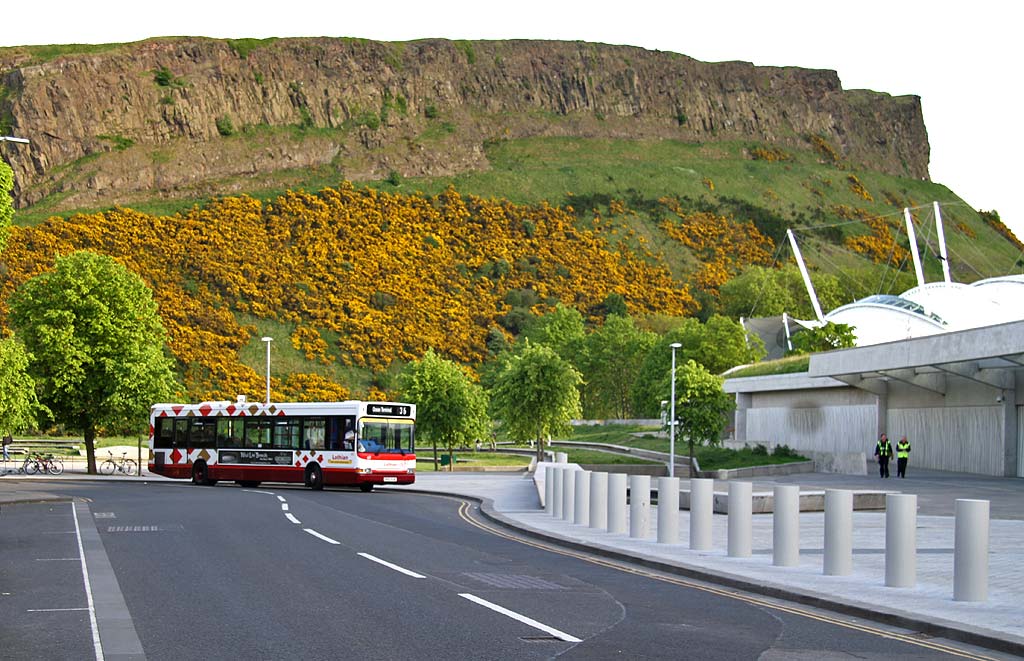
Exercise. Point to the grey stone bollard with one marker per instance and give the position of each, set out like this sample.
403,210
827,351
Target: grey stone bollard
598,500
549,488
838,532
970,552
561,457
581,509
900,540
786,526
617,503
568,494
668,510
556,493
639,505
702,511
740,519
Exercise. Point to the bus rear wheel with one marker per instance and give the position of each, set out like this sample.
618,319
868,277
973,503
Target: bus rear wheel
200,475
366,487
248,484
315,478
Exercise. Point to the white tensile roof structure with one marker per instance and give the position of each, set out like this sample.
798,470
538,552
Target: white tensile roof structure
928,309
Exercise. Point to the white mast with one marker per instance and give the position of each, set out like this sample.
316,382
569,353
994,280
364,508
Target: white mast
807,278
942,243
913,247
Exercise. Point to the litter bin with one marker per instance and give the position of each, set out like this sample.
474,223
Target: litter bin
448,459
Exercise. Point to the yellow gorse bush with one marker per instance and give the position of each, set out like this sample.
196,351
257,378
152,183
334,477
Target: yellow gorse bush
389,275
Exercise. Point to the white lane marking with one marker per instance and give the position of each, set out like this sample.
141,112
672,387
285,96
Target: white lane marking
265,493
54,610
291,517
391,566
281,498
319,536
284,507
97,646
522,618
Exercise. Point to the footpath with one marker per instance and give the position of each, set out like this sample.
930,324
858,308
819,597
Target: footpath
512,500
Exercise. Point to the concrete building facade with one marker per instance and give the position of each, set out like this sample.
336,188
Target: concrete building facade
957,396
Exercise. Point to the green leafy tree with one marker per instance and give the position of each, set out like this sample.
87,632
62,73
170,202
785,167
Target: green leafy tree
701,406
766,292
96,344
561,329
6,202
718,345
450,408
19,406
611,363
825,338
536,394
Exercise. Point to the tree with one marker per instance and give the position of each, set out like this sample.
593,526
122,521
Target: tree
6,202
562,330
611,363
96,344
450,408
536,394
719,344
19,405
701,406
766,292
824,338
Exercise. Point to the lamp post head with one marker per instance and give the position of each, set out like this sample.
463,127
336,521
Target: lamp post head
675,345
268,339
8,138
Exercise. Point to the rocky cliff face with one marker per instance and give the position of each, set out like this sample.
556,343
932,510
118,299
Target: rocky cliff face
190,115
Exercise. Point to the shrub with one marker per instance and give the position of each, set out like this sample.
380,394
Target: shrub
431,112
224,126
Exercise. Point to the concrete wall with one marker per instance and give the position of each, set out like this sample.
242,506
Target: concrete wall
960,430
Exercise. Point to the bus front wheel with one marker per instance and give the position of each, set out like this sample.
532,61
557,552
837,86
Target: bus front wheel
315,478
366,487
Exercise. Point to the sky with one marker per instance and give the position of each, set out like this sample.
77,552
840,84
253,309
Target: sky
962,59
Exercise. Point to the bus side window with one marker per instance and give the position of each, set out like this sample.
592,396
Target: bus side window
349,440
314,433
163,437
180,432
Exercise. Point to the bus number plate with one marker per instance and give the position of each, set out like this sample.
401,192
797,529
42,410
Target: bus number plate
390,479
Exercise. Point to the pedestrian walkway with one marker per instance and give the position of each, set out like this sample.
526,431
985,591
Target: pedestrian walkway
929,607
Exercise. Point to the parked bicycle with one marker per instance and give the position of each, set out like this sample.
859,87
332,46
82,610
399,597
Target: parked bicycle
42,465
122,465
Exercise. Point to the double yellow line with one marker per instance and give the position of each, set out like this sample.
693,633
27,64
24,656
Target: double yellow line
465,509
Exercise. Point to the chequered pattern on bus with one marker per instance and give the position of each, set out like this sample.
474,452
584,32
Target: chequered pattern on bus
231,409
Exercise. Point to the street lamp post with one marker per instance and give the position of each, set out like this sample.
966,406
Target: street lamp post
268,340
672,420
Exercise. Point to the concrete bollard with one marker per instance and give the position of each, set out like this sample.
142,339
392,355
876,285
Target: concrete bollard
617,503
556,493
561,457
598,500
900,540
741,523
568,494
970,551
639,505
702,511
581,509
786,526
838,532
549,488
668,510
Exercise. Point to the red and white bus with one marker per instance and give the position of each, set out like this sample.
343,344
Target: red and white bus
316,443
